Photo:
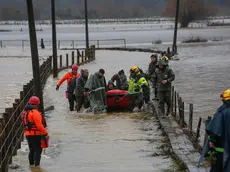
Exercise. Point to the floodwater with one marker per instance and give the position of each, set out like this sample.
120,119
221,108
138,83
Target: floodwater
109,35
118,142
106,142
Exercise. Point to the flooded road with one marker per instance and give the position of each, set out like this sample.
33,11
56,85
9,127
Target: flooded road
113,142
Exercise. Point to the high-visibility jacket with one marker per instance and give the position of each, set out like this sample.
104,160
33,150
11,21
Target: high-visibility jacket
68,76
137,83
37,122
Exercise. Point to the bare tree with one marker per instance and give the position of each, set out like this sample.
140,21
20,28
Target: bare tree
190,10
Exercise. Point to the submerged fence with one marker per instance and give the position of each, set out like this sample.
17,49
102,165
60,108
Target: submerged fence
185,119
64,43
11,128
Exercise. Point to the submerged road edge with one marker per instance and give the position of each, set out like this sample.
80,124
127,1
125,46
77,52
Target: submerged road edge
181,146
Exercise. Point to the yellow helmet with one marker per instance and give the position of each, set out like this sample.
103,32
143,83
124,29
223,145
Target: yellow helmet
135,69
165,58
225,95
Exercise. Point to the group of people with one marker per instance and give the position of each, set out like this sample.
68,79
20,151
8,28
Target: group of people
90,92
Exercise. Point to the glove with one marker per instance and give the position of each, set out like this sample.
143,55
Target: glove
137,89
57,88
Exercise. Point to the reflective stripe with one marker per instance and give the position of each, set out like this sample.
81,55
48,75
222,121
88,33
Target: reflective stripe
97,89
219,149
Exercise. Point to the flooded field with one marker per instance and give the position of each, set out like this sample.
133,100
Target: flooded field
117,141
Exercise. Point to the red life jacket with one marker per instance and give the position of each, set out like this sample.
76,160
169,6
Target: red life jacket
30,126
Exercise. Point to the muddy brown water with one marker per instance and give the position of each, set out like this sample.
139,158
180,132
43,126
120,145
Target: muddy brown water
106,142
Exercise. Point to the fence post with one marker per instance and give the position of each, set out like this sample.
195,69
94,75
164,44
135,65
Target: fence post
15,121
73,44
67,60
182,114
1,44
125,42
7,116
98,44
59,44
78,57
60,61
86,55
72,57
190,117
82,57
175,103
22,44
1,141
198,131
172,99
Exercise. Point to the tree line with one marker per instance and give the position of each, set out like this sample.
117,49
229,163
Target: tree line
190,10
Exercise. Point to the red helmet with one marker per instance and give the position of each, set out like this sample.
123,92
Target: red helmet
74,67
34,100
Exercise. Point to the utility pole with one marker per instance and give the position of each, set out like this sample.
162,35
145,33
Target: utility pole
176,26
54,39
34,53
86,27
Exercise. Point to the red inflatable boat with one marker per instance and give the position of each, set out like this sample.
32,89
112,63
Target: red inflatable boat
118,100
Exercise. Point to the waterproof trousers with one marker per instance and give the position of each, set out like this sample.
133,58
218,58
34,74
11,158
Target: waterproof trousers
82,100
164,97
137,100
218,166
34,143
71,98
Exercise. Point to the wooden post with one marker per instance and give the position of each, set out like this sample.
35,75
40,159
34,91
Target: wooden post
73,44
15,116
86,26
60,61
7,116
198,131
98,44
175,103
34,53
82,57
72,57
78,58
67,60
190,117
182,114
172,100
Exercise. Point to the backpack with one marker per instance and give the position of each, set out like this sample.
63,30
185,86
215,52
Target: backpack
30,125
27,125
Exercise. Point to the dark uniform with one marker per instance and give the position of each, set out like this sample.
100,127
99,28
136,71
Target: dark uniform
121,80
151,70
79,92
163,90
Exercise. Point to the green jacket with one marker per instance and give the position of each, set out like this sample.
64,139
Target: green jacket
160,75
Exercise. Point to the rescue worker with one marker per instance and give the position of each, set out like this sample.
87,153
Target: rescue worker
162,80
166,59
138,88
110,85
153,65
121,80
218,131
96,89
80,91
34,129
68,77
